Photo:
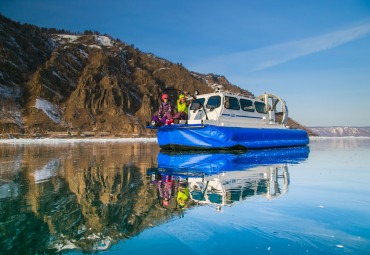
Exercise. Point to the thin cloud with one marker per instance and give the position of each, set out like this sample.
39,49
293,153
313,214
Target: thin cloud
274,55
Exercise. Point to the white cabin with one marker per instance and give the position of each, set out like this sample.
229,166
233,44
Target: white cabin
223,108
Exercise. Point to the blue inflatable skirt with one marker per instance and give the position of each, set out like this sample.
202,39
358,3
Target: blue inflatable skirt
216,137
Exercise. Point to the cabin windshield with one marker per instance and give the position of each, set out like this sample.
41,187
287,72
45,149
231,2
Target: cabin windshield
197,104
214,102
231,103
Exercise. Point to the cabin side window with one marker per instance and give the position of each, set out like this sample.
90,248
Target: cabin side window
197,104
246,105
260,107
213,102
232,103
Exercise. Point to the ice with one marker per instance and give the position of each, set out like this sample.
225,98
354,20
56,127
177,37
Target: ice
49,109
313,217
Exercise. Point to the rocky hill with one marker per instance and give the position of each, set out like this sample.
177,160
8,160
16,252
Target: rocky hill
341,131
53,81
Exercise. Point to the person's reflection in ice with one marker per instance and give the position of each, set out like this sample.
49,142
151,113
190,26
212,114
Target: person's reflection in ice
169,187
183,195
165,188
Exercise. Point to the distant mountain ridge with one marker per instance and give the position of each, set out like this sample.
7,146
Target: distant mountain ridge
86,83
341,131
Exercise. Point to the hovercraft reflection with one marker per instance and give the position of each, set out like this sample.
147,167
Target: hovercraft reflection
224,178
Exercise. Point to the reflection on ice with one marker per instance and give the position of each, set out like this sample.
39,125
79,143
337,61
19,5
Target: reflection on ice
48,171
8,190
339,143
224,178
211,163
227,188
63,197
93,197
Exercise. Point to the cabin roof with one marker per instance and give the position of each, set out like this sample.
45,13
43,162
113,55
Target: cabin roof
227,93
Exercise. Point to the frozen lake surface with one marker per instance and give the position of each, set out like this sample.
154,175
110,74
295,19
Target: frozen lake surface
128,197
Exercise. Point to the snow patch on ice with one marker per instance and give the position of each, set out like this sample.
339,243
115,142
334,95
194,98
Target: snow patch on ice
49,109
48,171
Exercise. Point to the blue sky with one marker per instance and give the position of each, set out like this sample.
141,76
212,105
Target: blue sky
313,54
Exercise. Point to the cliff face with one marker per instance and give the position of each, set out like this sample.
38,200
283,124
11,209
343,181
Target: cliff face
62,82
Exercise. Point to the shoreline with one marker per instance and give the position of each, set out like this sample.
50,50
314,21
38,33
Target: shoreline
50,140
78,140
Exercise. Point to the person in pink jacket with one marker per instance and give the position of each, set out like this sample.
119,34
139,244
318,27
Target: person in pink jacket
165,111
